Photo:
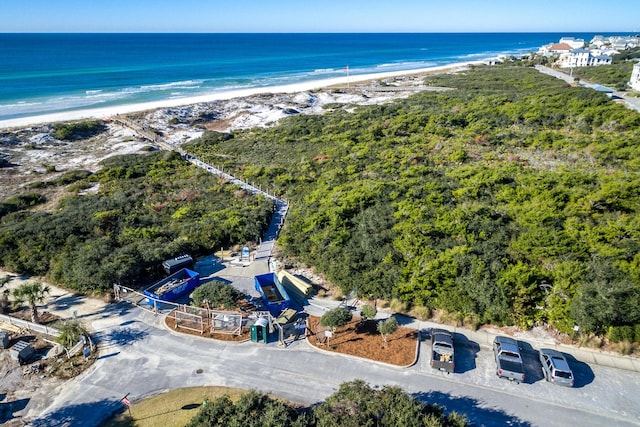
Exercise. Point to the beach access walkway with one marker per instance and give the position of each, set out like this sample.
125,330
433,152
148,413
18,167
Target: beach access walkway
280,209
387,89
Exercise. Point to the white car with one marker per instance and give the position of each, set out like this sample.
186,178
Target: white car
555,367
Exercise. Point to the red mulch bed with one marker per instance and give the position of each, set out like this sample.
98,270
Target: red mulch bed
363,340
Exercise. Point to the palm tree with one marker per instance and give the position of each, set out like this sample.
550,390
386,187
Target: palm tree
70,332
32,293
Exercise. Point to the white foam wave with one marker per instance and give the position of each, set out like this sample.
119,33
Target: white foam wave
20,104
166,86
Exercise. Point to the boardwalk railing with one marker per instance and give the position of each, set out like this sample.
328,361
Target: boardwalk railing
279,214
281,206
30,326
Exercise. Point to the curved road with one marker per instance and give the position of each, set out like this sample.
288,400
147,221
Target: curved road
140,357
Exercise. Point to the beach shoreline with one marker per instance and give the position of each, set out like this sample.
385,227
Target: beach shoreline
101,113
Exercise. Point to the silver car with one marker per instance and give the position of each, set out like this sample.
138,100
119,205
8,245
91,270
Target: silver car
555,367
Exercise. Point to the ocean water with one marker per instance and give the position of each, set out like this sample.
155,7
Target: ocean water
48,73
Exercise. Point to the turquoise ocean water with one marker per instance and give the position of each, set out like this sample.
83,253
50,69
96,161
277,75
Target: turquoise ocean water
48,73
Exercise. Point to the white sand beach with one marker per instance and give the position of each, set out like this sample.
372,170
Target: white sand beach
226,95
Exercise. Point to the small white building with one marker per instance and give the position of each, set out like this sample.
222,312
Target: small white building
600,60
634,82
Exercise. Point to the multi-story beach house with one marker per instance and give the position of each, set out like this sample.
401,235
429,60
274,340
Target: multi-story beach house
634,82
583,58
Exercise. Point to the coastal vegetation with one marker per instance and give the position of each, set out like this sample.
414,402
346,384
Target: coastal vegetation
147,208
78,130
616,75
217,294
355,403
512,199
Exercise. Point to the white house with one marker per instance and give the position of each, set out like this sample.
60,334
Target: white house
583,58
635,77
600,60
554,48
573,42
598,41
621,43
575,58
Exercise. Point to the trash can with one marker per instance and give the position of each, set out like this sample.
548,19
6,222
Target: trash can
260,331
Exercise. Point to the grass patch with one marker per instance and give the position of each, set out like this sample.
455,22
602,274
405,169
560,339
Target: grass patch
174,408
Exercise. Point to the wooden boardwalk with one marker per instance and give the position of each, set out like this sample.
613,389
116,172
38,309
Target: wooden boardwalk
280,209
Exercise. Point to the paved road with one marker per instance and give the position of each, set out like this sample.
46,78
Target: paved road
140,357
631,102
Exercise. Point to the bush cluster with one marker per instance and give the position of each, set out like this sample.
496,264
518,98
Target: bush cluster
510,199
148,208
78,130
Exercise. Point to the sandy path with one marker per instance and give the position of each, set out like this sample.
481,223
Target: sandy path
60,302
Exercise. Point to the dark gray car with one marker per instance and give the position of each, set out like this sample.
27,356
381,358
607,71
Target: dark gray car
508,360
555,367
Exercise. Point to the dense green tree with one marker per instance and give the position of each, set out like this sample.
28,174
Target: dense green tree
218,295
354,404
148,208
253,409
487,200
357,404
607,297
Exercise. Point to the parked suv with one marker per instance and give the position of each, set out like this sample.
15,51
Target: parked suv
556,368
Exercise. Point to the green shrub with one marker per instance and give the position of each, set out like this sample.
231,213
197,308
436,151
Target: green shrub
73,176
621,333
368,311
218,295
336,317
398,306
421,312
27,200
78,130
